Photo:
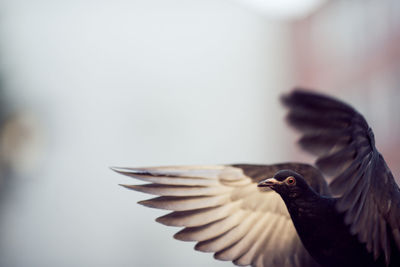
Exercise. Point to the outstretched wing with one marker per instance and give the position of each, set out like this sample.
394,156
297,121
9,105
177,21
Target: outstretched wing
345,146
222,209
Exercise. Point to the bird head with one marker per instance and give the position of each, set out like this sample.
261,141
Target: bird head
287,183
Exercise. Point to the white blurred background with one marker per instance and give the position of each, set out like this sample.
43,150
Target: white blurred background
85,85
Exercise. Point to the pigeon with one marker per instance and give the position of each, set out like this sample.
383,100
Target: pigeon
342,211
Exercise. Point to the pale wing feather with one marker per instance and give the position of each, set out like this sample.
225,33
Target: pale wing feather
189,203
230,237
222,209
212,230
199,217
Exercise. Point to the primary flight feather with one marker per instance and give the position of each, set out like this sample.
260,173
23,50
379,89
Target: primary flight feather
284,214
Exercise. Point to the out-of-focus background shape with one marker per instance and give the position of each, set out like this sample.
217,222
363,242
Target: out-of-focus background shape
85,85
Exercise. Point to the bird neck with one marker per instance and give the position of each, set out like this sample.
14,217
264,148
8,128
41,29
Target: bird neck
309,209
301,202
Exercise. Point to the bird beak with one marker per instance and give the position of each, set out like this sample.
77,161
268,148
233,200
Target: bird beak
268,182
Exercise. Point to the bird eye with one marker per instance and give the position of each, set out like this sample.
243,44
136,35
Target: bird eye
290,180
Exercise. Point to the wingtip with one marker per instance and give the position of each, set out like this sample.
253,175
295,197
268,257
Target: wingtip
294,90
179,236
163,220
221,256
203,247
199,247
126,186
146,203
119,169
130,171
142,202
286,97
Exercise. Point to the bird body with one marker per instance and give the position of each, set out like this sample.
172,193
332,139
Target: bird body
286,214
321,228
326,237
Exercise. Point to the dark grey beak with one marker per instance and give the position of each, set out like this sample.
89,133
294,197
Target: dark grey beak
268,182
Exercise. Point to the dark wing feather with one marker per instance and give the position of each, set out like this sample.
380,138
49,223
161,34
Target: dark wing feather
345,146
222,209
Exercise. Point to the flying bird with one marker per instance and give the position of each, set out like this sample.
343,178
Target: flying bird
286,214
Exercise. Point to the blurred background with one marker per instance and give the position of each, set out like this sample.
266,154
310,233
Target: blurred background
85,85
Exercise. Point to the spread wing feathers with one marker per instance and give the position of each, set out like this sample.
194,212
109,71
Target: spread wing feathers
345,146
222,209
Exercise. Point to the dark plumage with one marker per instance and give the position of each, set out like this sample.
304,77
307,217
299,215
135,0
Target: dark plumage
221,208
320,226
369,198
